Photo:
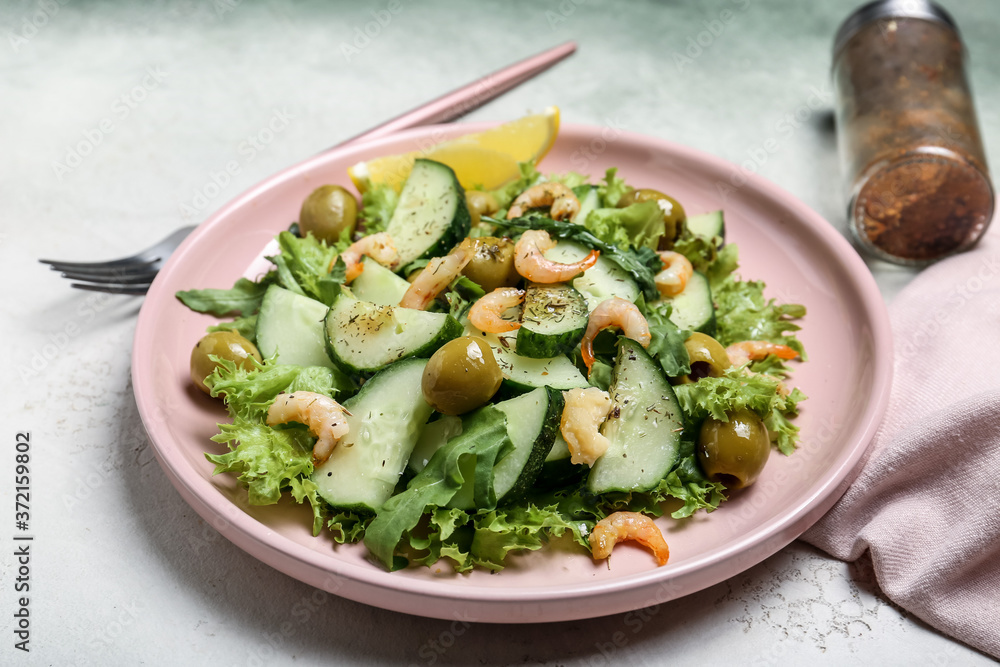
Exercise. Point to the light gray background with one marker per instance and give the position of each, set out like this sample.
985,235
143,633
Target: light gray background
123,571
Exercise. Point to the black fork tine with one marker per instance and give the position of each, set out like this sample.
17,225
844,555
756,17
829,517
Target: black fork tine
113,289
117,270
125,278
57,265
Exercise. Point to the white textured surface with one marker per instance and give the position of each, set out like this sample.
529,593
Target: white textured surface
122,571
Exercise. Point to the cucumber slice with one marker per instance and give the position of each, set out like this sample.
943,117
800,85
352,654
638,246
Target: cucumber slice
433,438
558,469
553,321
602,281
363,337
532,425
431,215
644,428
693,308
385,419
378,284
524,373
589,200
708,226
291,326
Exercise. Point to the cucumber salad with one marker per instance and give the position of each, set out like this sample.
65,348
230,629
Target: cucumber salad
464,375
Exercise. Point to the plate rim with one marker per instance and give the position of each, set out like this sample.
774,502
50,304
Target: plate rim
495,603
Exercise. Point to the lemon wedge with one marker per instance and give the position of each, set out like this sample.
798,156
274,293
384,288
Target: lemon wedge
481,159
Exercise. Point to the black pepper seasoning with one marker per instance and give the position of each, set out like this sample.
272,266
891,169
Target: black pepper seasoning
909,141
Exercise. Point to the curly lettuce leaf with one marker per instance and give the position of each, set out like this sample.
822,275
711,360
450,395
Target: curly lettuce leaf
637,225
521,527
687,483
347,526
612,189
302,267
733,390
785,434
332,382
243,298
484,437
377,206
249,392
742,313
736,390
304,490
264,459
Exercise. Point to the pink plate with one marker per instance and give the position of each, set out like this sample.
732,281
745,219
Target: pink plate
798,254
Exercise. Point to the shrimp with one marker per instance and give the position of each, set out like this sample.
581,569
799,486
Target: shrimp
379,247
560,199
530,261
323,415
486,313
584,412
676,273
613,312
621,526
437,275
746,351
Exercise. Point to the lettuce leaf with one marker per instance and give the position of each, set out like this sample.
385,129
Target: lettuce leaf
666,343
377,206
742,313
637,225
518,528
244,325
249,392
243,298
687,483
785,434
735,390
484,437
305,490
347,526
612,189
303,263
264,459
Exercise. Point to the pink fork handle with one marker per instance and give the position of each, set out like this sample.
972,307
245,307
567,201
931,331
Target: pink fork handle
459,102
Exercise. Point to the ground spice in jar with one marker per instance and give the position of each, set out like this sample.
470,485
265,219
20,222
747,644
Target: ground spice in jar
908,135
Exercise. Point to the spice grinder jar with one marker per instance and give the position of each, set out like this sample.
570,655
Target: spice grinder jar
908,137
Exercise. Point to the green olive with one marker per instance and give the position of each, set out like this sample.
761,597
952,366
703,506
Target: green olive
461,376
673,212
225,345
734,452
329,212
480,204
708,358
493,264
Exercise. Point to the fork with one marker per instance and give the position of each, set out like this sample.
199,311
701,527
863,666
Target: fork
134,275
128,275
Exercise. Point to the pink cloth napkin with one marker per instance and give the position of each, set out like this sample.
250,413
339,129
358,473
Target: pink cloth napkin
926,505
